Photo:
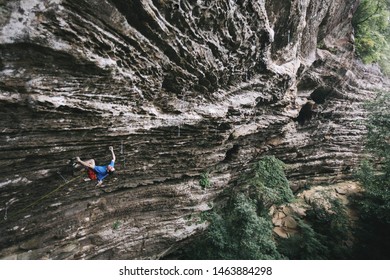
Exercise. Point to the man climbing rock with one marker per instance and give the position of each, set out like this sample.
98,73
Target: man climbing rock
96,172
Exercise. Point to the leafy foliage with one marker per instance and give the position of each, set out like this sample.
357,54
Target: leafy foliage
303,246
243,229
268,183
116,225
376,182
374,205
322,235
331,223
236,233
378,125
252,234
204,181
371,22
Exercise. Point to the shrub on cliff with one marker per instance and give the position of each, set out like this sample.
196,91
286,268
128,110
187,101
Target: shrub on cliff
268,184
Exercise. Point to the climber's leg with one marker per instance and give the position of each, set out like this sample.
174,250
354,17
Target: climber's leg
91,161
88,163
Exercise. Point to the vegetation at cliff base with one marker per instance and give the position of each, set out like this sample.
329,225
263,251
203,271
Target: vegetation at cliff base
237,232
323,235
243,228
373,240
372,32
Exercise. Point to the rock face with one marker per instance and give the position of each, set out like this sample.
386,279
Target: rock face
284,217
180,88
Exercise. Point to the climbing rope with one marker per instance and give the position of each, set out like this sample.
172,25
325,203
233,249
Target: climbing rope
181,108
123,157
6,210
288,36
59,173
41,198
7,205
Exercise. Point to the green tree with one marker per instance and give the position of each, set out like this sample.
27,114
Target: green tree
243,228
378,126
235,233
323,234
306,245
268,184
332,226
372,32
374,204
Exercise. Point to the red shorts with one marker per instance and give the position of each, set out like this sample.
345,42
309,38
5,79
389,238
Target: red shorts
91,174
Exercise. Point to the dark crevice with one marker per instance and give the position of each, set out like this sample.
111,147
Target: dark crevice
307,83
306,113
320,95
231,153
33,56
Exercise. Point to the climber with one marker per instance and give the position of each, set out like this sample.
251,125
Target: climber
96,172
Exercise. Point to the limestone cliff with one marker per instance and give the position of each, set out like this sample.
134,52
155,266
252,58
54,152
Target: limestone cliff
180,88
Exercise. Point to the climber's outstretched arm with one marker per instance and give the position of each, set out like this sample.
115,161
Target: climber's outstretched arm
112,153
89,163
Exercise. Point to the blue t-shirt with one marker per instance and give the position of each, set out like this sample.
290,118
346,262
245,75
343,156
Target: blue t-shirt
101,171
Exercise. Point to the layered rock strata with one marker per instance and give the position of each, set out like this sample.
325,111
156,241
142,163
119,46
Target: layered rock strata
180,88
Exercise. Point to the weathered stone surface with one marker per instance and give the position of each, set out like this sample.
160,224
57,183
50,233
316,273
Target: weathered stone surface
316,197
281,232
341,191
179,88
289,222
